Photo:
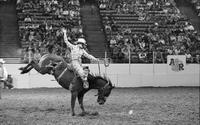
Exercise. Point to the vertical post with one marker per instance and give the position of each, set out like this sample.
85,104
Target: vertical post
199,68
153,62
99,68
153,66
0,88
29,54
105,59
129,59
161,54
198,61
29,61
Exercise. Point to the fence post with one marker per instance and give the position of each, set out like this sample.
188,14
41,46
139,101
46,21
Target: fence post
129,59
99,68
198,62
105,63
0,88
153,62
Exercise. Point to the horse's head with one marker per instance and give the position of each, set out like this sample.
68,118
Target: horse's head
105,88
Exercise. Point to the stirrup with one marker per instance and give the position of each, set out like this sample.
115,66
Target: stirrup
85,84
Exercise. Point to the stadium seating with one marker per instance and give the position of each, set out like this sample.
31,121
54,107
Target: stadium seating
40,23
195,5
148,28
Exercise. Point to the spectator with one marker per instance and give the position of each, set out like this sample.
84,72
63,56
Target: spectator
37,55
113,42
9,82
25,58
116,53
108,28
93,9
28,19
197,59
3,73
189,58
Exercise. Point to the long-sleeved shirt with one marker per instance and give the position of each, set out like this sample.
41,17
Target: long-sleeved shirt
77,52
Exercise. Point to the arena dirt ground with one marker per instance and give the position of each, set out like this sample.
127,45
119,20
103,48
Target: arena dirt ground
150,106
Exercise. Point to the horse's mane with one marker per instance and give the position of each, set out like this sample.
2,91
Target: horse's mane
104,77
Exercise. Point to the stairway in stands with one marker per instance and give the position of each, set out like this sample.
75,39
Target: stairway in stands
92,28
9,43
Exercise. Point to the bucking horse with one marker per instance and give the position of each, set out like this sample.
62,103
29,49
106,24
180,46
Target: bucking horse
68,79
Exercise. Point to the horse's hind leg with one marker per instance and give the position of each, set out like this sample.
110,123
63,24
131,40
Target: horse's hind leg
73,100
27,68
42,70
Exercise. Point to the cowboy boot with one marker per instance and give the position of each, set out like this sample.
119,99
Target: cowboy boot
85,84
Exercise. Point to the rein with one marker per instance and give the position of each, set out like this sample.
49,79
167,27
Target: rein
99,68
105,85
62,74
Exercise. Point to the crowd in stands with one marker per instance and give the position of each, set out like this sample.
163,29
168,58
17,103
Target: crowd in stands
146,31
40,23
196,5
143,31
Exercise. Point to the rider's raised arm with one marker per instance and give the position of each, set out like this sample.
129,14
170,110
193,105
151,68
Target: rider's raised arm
89,56
66,39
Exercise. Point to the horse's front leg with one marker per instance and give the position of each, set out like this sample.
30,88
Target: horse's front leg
80,100
73,100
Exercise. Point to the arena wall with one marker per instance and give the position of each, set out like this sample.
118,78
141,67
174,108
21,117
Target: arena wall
122,75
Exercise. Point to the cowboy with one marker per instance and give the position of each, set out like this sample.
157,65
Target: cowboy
3,73
9,82
44,66
77,51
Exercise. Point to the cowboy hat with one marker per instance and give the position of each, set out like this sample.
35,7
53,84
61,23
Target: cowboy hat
2,61
81,40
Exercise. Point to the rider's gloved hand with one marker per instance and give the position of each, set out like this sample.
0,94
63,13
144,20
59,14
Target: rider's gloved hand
64,30
96,60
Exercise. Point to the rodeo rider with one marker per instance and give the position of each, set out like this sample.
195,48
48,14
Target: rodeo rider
77,51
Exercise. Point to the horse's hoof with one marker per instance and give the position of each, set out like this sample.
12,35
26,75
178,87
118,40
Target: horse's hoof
82,114
94,113
21,68
23,72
